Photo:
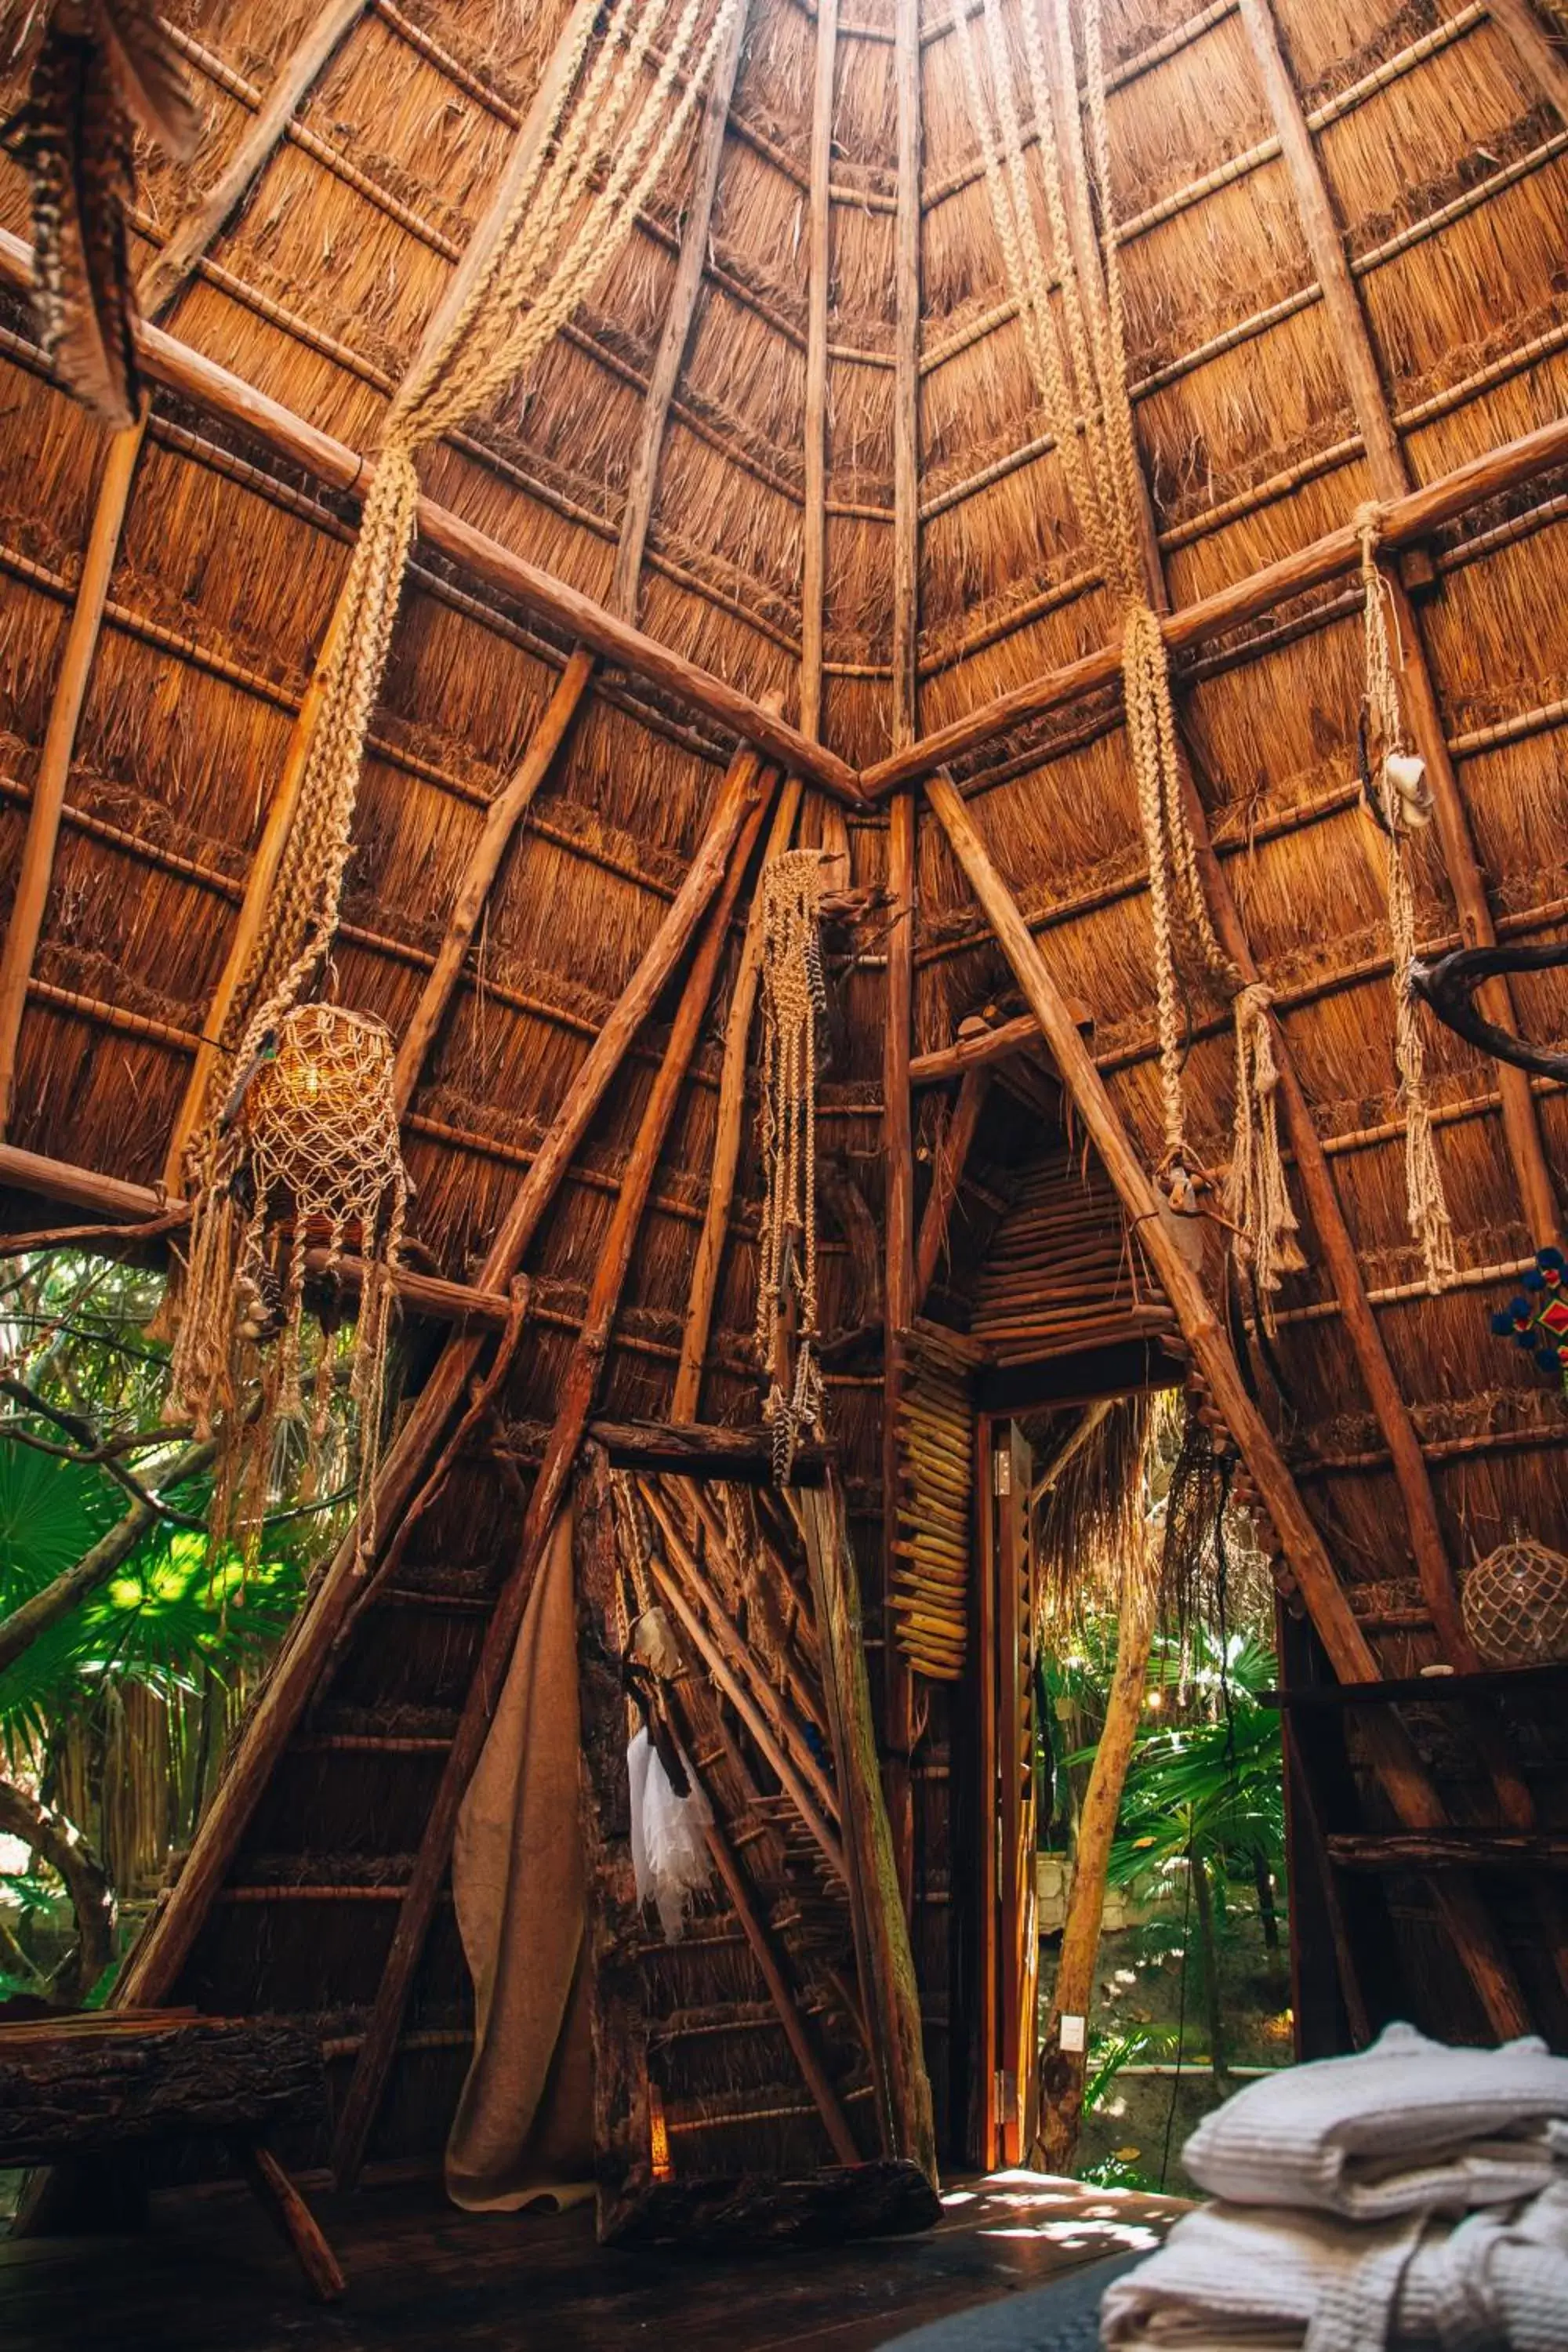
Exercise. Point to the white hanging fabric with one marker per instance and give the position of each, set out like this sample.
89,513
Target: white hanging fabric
670,1848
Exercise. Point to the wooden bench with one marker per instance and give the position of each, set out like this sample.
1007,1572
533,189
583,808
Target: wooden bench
97,2089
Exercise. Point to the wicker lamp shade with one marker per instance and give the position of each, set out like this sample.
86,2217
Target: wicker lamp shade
1515,1604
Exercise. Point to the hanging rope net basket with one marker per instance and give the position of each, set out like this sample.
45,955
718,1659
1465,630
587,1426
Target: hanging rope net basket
1515,1604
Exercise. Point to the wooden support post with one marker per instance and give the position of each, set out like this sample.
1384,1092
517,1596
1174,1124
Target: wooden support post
947,1176
1391,481
889,1994
819,265
728,1121
985,2118
667,361
579,1386
36,870
502,821
1408,1789
154,1966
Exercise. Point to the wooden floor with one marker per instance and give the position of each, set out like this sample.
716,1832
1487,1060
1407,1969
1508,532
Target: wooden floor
208,2275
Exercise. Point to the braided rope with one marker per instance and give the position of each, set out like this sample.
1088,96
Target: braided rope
795,996
1257,1200
1426,1203
1079,361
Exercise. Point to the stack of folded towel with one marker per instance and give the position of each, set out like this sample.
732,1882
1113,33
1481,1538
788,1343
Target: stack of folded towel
1411,2195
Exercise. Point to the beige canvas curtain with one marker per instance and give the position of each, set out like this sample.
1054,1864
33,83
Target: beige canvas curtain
523,2129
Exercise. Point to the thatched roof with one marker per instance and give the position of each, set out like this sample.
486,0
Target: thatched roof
1441,137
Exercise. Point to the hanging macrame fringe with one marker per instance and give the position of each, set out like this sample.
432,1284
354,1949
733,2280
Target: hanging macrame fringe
1257,1200
610,140
795,996
1078,355
1401,806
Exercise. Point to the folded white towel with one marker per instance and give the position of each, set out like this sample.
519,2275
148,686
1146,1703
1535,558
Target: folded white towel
1407,2127
1246,2279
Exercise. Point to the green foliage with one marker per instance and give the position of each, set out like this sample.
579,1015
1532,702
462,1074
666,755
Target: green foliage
1215,1787
1110,2052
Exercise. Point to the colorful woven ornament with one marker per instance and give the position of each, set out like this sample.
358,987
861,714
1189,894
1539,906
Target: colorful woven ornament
1538,1317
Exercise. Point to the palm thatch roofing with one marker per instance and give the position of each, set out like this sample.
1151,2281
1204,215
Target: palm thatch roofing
856,519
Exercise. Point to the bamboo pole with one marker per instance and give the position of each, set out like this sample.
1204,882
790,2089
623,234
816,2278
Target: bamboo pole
1408,1789
502,822
667,361
729,1121
947,1176
819,262
155,1964
579,1386
1391,480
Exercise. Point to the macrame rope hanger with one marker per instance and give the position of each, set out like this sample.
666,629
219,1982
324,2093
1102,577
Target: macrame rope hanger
605,150
1400,800
795,997
1078,363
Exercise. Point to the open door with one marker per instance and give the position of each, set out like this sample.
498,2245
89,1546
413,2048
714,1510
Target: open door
763,2073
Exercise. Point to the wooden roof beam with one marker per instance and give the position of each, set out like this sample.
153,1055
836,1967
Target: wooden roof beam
1391,479
1408,1789
161,283
1406,522
748,787
819,265
191,376
947,1173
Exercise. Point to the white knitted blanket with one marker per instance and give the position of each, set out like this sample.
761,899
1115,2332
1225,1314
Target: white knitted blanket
1233,2278
1407,2127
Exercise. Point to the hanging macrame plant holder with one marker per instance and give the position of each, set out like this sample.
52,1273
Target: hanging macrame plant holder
1399,802
306,1147
1515,1604
794,999
304,1158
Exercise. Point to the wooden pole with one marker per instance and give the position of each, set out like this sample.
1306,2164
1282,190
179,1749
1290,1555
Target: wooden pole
819,264
1543,61
671,354
729,1121
36,870
1391,480
155,1964
889,1994
1408,1789
190,374
579,1386
502,821
947,1176
1405,522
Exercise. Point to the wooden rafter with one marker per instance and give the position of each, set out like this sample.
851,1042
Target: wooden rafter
180,369
819,266
1543,63
1408,1789
155,1965
1391,479
678,321
1405,522
948,1165
161,283
579,1386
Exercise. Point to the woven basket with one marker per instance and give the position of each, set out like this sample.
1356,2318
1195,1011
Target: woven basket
1515,1604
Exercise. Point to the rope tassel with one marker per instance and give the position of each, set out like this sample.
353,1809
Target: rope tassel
794,995
1399,805
1257,1198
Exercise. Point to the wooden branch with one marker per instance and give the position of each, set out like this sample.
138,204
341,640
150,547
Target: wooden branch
819,265
35,873
1543,61
947,1176
889,1994
1406,522
692,1450
191,375
154,1967
503,823
1409,1791
1482,1849
578,1387
643,482
48,1833
1391,480
906,378
729,1124
898,1295
195,232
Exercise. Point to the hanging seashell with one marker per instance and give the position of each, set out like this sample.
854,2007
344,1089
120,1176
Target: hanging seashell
1406,771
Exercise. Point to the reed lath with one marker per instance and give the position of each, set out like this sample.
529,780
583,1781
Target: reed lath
1436,130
